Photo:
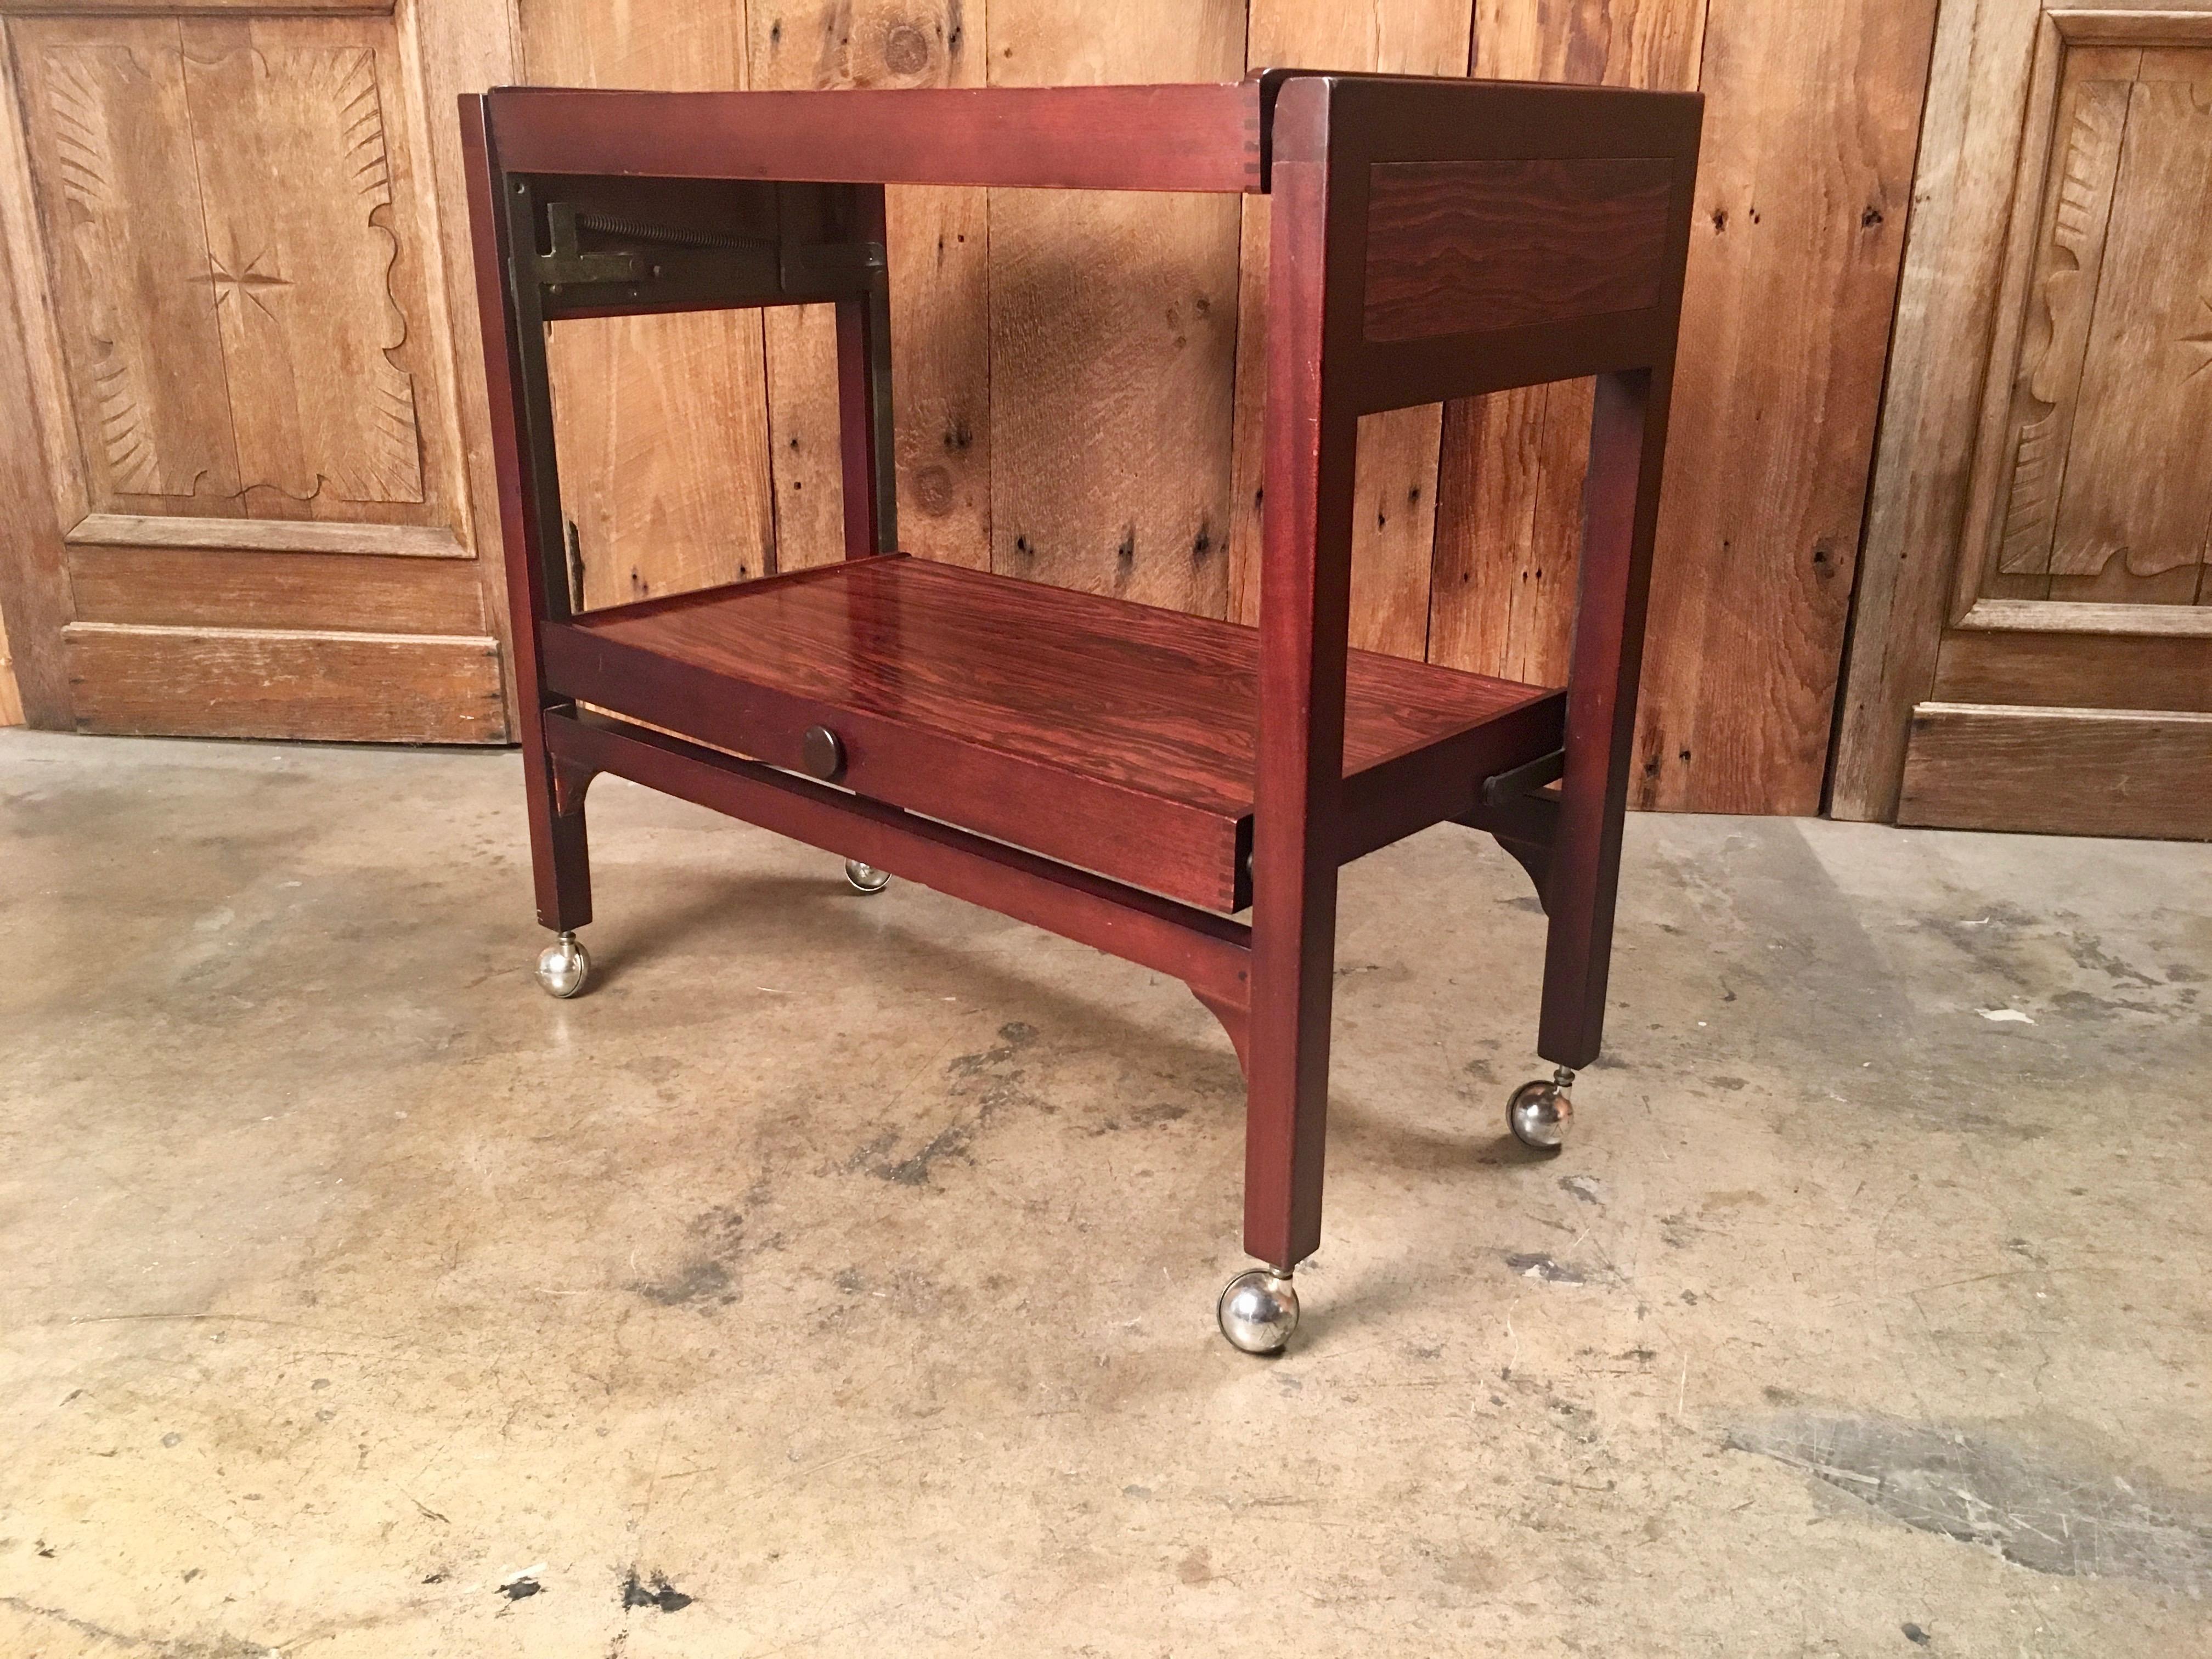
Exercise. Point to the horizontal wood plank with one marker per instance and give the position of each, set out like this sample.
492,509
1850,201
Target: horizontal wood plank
2080,616
2067,771
2110,25
299,591
1150,137
405,541
1461,247
246,683
2092,670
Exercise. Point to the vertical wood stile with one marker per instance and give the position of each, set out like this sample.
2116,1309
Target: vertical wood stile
1315,243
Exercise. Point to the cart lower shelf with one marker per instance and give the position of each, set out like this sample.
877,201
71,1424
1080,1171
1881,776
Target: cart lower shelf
1115,736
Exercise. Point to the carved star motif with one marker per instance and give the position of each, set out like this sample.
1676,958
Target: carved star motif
241,279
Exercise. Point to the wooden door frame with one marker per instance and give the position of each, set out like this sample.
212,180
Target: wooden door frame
1917,570
449,47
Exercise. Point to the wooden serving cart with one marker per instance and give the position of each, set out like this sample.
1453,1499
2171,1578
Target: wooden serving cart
1126,776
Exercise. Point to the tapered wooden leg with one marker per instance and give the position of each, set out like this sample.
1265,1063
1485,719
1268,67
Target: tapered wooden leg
1311,438
1286,1078
559,860
1619,505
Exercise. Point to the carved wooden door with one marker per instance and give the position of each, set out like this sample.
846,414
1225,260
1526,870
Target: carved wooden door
2070,685
243,434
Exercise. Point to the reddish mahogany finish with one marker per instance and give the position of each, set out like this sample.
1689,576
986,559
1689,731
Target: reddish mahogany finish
1171,137
1457,247
1209,952
1117,774
1114,736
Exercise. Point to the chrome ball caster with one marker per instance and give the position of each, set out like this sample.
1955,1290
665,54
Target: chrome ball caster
1259,1310
563,966
865,878
1539,1112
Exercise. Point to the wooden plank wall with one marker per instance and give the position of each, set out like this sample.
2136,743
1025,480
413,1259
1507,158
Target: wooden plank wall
11,700
1077,377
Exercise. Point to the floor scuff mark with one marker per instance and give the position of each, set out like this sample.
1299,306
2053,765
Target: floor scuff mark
2036,1509
654,1591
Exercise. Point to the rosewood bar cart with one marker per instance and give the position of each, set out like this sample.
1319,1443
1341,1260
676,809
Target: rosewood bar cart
1126,776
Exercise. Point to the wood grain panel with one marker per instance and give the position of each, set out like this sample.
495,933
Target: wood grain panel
1395,473
1461,247
808,46
453,49
1508,489
2093,671
2079,164
938,244
111,151
2135,512
1810,131
243,683
2124,773
804,460
1113,324
663,437
301,591
941,244
307,279
662,421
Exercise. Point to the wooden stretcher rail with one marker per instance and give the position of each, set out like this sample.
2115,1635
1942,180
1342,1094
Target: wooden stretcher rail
1212,953
1163,137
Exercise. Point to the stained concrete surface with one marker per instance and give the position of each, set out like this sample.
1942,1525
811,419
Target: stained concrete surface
835,1276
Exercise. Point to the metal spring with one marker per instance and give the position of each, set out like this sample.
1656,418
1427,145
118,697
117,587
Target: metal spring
600,225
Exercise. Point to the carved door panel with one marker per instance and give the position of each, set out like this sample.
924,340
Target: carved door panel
230,236
2073,681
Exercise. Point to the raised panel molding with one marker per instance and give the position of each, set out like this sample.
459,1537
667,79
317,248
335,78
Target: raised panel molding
131,680
2095,481
233,252
144,360
301,275
265,536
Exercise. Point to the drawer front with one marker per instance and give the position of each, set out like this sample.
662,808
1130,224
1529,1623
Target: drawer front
1166,846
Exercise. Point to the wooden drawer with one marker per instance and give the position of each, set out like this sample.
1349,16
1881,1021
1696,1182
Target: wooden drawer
1117,737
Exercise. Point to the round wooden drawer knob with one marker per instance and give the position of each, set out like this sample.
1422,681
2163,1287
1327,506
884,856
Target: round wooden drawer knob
823,752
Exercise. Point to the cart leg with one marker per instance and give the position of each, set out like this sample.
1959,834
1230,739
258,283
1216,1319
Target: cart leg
560,867
1620,504
1286,1056
1311,442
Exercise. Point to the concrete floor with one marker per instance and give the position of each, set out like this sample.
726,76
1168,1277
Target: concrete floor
836,1276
